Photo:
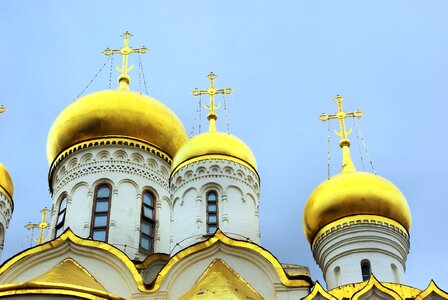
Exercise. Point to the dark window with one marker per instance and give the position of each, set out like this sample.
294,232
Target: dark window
365,270
61,216
148,218
100,215
212,212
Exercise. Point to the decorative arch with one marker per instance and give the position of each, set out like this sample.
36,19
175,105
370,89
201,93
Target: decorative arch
374,288
103,155
88,157
66,240
432,292
131,182
120,155
319,293
219,237
137,158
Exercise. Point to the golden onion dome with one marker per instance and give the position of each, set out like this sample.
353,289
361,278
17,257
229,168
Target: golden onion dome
354,193
214,144
116,113
6,185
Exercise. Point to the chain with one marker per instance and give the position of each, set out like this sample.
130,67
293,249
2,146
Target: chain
195,118
359,145
94,77
200,113
365,147
143,73
329,149
139,75
227,116
110,72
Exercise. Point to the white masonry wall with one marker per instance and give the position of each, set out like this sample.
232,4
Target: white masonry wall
238,200
341,250
130,171
5,217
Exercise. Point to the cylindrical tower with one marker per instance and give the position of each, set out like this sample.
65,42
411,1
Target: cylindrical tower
357,223
6,203
110,154
214,184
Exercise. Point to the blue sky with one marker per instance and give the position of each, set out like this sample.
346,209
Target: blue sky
285,61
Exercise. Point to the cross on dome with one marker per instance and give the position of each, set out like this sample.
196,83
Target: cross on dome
124,79
344,143
212,91
42,225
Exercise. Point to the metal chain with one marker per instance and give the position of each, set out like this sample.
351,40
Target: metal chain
139,75
227,116
329,149
195,118
359,145
94,77
200,113
110,72
365,147
143,73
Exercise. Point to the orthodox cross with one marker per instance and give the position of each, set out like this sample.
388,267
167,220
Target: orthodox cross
341,115
125,51
212,91
41,226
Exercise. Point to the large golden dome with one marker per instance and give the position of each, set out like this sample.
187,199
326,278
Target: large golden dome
214,144
354,193
6,185
116,113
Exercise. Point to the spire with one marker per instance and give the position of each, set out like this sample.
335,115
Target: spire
344,143
212,91
124,79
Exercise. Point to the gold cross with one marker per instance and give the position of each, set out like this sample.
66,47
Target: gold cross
41,226
212,91
2,109
341,115
125,51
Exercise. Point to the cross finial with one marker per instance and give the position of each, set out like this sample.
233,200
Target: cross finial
212,91
344,143
41,226
124,79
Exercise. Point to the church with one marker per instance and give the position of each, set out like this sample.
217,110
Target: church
141,211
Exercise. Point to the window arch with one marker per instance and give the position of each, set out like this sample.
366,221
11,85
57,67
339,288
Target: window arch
60,220
212,211
148,220
101,212
366,270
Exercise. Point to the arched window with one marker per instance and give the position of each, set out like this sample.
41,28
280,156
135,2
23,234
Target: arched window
101,211
148,219
61,216
365,269
212,212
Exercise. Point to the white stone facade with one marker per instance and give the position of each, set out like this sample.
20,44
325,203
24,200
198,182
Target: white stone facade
342,249
237,188
5,217
129,171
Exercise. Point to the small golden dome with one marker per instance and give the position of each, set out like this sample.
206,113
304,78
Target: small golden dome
6,185
116,113
354,193
213,144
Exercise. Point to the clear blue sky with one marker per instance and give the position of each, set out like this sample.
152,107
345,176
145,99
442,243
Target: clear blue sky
285,61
